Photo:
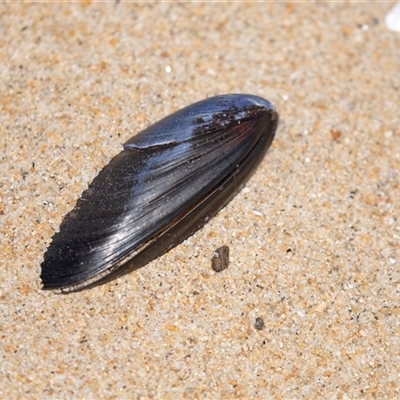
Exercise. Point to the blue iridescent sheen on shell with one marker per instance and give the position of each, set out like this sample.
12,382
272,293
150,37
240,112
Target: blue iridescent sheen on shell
169,180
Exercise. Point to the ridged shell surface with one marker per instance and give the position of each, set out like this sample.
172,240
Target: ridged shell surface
166,183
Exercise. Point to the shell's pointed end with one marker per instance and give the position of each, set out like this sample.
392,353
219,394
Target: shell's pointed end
169,180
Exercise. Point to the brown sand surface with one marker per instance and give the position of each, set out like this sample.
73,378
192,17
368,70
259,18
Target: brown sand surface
314,236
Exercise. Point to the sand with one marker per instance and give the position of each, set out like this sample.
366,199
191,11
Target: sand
309,305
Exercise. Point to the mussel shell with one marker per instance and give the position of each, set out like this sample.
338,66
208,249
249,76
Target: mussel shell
166,183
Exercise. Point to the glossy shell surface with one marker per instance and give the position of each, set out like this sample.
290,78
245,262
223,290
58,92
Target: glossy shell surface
166,183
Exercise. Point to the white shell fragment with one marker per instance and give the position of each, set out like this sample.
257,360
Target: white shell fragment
392,19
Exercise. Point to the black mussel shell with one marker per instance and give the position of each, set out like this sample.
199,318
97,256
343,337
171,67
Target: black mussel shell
169,180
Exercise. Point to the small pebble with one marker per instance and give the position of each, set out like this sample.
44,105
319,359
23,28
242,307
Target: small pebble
259,324
220,260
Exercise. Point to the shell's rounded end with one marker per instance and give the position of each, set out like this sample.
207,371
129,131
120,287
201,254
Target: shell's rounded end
180,126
